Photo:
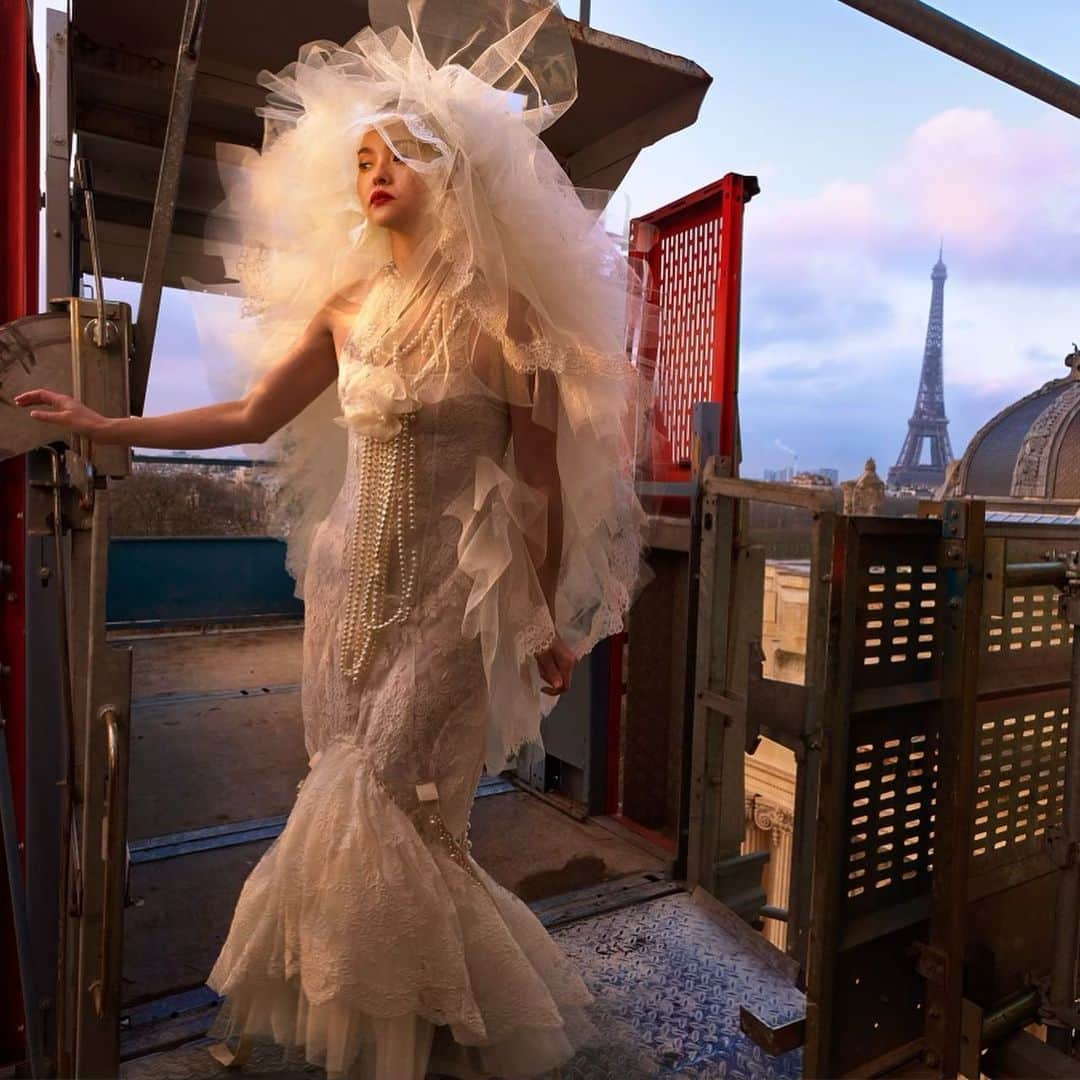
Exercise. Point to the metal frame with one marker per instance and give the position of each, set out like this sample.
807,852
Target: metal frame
19,206
948,960
948,35
733,705
710,222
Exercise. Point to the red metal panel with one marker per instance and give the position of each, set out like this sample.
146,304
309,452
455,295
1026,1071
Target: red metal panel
19,208
614,724
692,250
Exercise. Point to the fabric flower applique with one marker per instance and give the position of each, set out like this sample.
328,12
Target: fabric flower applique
373,398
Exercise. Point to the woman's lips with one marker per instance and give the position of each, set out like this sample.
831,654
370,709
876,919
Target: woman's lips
380,197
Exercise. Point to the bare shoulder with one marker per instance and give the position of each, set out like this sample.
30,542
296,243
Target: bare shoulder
340,308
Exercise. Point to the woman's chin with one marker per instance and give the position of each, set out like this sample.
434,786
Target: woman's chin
385,214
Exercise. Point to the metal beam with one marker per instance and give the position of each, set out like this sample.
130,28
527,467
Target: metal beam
939,31
153,278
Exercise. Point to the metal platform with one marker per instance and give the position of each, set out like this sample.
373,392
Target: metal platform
668,973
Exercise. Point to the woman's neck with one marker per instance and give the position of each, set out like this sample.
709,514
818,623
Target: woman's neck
404,247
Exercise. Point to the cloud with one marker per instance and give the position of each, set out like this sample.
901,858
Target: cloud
1006,200
788,312
836,290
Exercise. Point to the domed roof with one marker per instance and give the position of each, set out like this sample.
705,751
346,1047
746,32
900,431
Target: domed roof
1031,449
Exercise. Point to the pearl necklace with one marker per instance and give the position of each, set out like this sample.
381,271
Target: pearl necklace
387,479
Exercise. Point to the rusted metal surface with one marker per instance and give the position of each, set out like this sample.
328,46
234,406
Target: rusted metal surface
874,827
1064,841
956,741
978,710
774,1040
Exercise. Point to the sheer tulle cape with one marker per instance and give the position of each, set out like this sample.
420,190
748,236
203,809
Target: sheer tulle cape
550,311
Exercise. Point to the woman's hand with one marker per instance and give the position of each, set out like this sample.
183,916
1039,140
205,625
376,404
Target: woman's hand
556,663
63,410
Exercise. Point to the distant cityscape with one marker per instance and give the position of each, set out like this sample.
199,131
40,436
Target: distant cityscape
787,474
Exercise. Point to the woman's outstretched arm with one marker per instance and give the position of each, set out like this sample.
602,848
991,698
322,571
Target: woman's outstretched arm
290,385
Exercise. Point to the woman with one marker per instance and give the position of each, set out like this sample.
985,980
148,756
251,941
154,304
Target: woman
420,272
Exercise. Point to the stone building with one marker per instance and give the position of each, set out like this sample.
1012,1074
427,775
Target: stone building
1030,449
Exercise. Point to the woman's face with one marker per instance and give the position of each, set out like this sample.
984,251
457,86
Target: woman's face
392,195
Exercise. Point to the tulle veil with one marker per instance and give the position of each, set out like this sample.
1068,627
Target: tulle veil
523,252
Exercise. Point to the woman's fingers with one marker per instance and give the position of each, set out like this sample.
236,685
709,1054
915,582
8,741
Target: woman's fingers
549,672
58,403
35,397
556,664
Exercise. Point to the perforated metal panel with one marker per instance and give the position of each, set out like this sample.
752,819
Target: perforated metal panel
892,798
880,804
1031,622
692,252
1020,776
899,630
689,266
879,790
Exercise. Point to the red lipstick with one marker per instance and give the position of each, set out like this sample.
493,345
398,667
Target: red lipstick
378,197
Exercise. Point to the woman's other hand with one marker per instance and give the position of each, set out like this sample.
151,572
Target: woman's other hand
63,410
556,664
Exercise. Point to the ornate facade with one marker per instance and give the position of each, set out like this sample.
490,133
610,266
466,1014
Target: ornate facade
1031,449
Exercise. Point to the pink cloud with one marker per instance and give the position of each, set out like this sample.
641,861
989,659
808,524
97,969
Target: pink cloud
1006,200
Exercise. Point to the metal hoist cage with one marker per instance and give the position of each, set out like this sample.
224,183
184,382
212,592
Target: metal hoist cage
936,847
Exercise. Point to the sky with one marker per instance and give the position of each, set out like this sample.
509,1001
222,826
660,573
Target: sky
871,149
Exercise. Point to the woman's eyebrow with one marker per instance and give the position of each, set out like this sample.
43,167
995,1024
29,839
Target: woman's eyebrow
365,150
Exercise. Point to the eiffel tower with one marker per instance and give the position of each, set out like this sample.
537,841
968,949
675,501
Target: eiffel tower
928,428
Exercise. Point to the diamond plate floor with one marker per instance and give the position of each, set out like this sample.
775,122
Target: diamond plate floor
669,977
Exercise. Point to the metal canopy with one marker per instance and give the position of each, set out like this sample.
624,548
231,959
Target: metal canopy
123,54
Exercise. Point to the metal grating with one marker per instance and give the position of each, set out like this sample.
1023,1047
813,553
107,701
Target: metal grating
1020,777
1031,621
892,788
689,268
900,629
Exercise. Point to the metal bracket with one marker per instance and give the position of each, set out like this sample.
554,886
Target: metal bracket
931,962
953,520
994,576
1063,851
773,1040
1061,1016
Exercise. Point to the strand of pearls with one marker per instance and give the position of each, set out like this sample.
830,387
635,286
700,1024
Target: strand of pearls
387,478
459,849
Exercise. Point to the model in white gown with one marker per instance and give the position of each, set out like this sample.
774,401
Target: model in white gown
367,937
367,930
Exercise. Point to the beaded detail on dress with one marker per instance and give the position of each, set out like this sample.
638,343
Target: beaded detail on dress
388,478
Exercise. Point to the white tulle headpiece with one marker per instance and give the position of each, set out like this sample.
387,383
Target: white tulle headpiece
513,244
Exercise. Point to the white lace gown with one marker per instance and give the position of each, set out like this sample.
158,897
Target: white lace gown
366,935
